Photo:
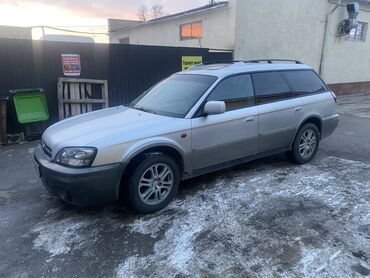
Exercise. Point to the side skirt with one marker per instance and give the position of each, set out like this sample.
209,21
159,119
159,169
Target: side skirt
224,165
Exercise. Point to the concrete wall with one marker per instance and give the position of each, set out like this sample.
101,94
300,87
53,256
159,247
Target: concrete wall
116,24
218,30
346,61
295,30
280,29
12,32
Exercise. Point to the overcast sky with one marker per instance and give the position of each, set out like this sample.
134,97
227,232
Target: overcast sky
80,12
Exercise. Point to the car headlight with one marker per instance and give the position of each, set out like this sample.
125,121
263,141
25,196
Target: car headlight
76,157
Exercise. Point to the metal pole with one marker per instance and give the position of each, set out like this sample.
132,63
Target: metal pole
3,130
322,58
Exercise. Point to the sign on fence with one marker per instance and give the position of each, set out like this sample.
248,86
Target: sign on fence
189,61
71,64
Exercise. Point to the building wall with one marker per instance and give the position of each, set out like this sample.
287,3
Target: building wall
12,32
273,29
295,30
280,29
218,30
117,24
346,61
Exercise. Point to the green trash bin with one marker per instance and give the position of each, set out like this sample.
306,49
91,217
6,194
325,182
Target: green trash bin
3,129
32,111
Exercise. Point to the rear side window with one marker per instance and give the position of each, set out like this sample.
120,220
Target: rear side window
305,82
270,86
236,92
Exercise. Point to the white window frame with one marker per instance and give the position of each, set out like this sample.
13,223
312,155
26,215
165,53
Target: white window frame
191,28
359,33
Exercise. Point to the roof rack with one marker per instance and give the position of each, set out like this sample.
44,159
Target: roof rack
270,61
220,62
213,63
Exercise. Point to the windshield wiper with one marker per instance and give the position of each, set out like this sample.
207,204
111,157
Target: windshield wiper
144,109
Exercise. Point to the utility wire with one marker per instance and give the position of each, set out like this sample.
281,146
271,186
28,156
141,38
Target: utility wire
70,31
79,26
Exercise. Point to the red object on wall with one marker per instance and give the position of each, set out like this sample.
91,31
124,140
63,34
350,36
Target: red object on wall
71,64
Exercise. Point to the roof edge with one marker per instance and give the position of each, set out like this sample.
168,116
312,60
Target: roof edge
202,9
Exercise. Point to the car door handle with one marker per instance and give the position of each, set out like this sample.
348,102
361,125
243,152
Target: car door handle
248,120
297,109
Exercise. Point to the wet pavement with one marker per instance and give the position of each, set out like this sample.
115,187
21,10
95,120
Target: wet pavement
267,218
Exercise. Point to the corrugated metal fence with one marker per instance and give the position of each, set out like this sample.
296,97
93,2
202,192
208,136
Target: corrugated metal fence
129,69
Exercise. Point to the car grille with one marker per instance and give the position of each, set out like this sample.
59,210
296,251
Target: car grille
46,149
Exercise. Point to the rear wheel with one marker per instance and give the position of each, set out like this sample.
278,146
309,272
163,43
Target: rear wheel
305,144
153,183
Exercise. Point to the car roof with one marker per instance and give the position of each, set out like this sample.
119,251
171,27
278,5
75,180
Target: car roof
225,69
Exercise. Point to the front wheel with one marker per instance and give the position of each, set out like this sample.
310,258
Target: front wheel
153,183
305,144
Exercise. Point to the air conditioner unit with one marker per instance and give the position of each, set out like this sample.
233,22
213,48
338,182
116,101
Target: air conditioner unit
347,25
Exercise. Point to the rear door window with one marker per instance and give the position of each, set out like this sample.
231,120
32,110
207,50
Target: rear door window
235,91
270,86
305,82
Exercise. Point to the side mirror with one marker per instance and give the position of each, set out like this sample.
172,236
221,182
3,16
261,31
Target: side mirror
214,108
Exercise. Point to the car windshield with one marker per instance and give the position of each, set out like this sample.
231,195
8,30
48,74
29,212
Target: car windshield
175,96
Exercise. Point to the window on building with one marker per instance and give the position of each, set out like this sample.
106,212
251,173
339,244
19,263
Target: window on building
358,33
236,92
124,40
192,30
305,82
270,86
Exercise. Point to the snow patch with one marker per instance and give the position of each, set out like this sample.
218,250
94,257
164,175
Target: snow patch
62,230
259,222
60,237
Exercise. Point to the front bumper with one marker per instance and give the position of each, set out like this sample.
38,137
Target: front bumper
82,186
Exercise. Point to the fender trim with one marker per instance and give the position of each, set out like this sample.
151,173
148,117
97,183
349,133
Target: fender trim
300,124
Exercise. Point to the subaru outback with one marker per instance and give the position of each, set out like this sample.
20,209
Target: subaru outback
212,116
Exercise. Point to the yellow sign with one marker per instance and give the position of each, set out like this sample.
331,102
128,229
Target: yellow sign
189,61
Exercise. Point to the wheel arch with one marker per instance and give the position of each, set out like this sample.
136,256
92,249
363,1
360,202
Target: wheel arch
133,157
314,119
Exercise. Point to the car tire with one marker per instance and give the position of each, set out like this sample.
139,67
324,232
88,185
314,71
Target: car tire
305,144
153,183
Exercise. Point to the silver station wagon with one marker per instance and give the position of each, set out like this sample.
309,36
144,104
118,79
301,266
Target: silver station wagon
212,116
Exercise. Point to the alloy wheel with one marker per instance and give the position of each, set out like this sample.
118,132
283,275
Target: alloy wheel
156,184
307,143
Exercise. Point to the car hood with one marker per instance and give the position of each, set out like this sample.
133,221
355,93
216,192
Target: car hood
86,129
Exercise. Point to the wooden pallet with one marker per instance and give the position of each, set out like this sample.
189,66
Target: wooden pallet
75,96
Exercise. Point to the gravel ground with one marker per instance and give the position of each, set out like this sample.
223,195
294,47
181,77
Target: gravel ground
266,218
